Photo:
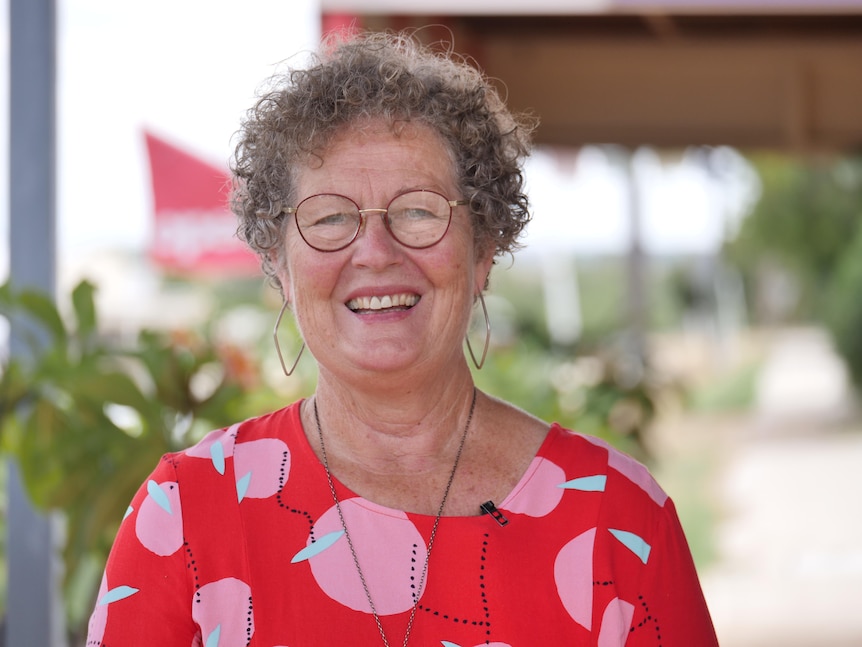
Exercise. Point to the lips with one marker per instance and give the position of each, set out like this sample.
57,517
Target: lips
385,302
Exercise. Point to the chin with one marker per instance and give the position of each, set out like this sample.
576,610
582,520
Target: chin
376,357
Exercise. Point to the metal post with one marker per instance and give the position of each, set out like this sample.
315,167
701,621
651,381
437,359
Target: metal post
34,612
636,264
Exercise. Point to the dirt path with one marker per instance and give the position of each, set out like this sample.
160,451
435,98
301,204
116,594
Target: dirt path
789,568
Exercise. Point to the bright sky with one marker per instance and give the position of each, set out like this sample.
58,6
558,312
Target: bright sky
688,202
185,69
189,69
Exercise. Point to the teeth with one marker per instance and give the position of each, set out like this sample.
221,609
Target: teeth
384,302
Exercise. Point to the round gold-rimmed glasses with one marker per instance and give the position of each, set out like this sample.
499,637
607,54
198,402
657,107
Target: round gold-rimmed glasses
329,222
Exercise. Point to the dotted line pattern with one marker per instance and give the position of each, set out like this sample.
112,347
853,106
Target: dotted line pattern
249,623
191,564
487,614
414,593
282,479
647,620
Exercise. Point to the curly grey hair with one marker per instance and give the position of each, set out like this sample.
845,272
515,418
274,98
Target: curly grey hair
394,77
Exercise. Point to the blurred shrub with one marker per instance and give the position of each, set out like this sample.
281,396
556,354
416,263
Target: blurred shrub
808,215
809,223
843,308
732,391
607,392
87,418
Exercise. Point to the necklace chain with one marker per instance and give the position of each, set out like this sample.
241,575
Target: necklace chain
430,539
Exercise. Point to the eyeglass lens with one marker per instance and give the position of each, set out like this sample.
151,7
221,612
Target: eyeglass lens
330,222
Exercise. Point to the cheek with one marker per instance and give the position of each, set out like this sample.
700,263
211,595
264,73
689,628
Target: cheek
312,278
294,268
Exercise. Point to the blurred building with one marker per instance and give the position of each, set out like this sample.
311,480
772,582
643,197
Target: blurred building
779,74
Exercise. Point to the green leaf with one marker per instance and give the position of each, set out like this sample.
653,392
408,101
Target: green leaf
84,305
43,309
110,387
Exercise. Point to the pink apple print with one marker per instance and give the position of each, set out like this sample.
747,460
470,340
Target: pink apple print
263,465
573,573
159,524
538,493
616,620
222,610
632,470
390,550
99,618
215,446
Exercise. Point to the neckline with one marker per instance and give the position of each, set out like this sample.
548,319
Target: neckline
346,493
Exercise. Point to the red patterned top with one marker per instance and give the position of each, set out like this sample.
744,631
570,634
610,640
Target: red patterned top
237,542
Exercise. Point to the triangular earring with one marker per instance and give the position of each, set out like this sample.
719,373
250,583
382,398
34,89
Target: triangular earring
288,373
481,362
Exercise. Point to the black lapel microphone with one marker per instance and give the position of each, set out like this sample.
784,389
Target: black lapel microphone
489,508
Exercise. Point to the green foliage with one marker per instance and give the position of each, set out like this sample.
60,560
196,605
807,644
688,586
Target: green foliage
809,220
809,212
606,393
4,506
87,419
602,294
843,308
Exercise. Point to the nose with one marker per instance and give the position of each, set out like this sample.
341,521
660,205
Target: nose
374,245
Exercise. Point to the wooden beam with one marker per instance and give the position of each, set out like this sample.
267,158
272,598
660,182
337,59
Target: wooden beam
780,94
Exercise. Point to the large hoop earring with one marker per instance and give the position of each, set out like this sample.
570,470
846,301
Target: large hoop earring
481,362
278,347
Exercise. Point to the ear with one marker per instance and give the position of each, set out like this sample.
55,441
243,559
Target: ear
278,262
484,263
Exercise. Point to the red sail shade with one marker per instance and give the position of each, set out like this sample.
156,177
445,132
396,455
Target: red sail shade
195,231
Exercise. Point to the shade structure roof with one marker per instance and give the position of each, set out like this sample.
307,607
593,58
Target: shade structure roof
780,74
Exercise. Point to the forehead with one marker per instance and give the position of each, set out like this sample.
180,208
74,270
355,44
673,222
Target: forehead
397,155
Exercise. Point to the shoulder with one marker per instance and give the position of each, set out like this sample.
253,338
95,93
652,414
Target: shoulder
223,442
507,423
581,451
255,441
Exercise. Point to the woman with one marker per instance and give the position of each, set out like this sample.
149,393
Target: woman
398,505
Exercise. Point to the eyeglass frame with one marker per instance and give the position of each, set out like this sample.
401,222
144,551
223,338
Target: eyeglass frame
382,211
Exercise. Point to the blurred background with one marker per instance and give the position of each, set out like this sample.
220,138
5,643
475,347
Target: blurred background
690,288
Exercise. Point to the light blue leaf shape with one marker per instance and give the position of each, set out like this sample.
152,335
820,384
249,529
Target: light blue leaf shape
159,496
633,542
217,455
212,639
129,511
317,547
586,483
119,593
242,486
446,643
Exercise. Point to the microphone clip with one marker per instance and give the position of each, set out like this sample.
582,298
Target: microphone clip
489,508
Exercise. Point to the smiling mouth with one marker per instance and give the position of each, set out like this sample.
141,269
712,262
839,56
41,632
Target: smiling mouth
386,302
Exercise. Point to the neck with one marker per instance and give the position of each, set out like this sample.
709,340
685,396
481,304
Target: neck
406,431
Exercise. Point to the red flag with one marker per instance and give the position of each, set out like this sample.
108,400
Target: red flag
195,231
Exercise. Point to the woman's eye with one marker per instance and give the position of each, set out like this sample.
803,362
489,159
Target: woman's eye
333,220
416,213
